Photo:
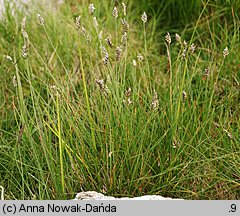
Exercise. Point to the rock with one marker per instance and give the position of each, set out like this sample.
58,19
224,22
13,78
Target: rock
93,195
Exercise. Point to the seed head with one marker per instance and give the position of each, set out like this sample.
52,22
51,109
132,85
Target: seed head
77,22
206,73
125,25
89,38
24,34
23,24
109,42
192,48
184,96
8,57
24,51
140,57
144,17
168,38
105,56
128,92
100,35
225,52
178,38
134,63
84,31
127,102
124,38
115,12
184,53
103,87
55,91
91,9
40,20
228,133
118,53
14,81
95,22
155,101
124,9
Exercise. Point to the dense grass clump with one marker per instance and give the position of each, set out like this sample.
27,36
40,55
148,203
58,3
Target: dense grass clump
103,98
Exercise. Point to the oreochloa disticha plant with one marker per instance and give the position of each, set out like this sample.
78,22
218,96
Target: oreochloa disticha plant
94,109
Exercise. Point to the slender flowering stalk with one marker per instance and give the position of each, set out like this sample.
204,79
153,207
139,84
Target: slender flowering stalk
144,17
40,20
225,52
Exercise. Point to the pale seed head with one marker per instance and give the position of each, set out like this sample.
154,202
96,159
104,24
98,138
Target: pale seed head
168,38
134,63
77,22
124,9
40,20
144,17
155,101
140,57
91,9
118,53
109,42
8,57
125,25
23,24
178,38
225,52
192,48
24,51
124,38
14,81
115,12
95,22
184,96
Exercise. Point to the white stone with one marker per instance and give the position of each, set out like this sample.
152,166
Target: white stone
93,195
